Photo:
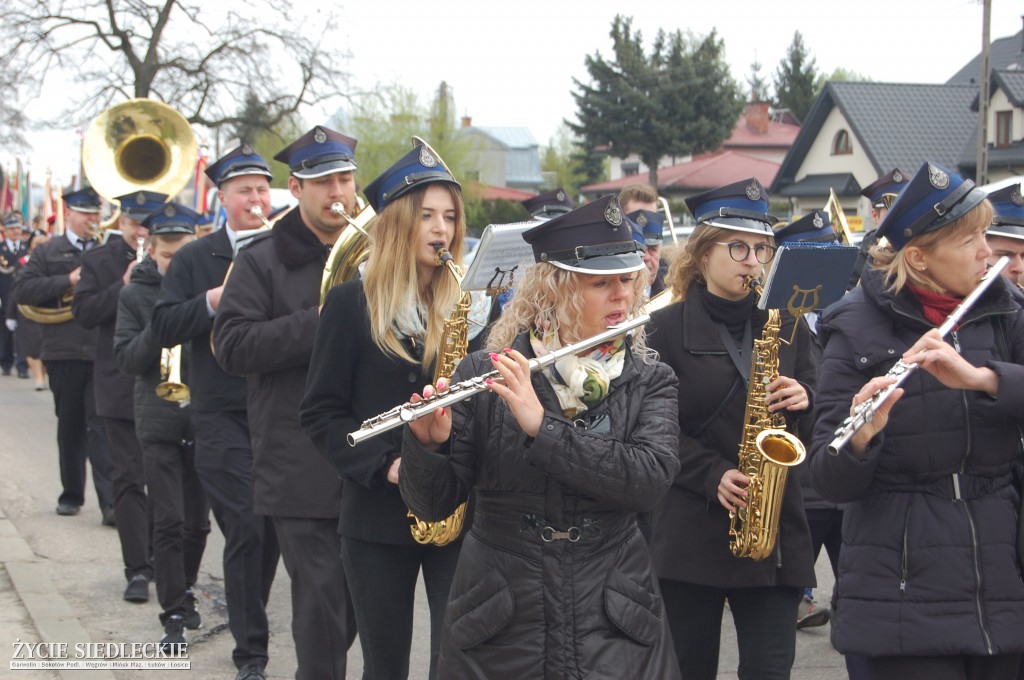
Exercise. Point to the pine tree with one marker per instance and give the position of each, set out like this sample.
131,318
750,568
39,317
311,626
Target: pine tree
795,79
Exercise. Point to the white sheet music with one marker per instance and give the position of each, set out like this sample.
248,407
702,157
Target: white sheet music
501,255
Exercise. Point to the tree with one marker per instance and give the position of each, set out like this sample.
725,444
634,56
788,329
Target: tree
677,100
756,82
561,160
839,75
795,79
206,61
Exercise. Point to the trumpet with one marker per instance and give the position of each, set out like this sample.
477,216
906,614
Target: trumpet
865,411
172,389
140,249
408,412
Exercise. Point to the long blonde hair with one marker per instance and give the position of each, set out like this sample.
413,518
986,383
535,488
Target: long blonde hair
895,265
550,297
390,278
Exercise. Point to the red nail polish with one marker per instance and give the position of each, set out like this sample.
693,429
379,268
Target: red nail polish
506,350
489,381
494,357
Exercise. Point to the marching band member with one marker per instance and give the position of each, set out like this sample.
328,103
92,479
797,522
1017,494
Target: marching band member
555,579
68,351
105,270
264,330
13,248
548,204
707,339
929,581
181,515
880,194
1006,235
189,299
378,338
640,203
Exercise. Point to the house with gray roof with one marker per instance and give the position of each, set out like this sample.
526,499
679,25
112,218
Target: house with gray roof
1004,54
503,157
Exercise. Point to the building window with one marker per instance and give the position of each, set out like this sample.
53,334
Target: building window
841,143
1004,122
631,168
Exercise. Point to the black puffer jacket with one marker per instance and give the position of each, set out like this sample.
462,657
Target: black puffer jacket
137,352
691,528
925,569
523,607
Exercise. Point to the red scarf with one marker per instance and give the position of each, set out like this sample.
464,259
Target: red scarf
936,306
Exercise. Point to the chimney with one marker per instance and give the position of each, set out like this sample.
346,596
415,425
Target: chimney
757,116
467,121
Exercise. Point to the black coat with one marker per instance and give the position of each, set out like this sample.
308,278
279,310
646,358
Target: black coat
691,528
920,572
10,263
351,380
264,330
42,282
182,317
137,353
521,607
95,306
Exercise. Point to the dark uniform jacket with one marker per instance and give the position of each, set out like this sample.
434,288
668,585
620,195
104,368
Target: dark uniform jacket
265,330
137,353
928,565
42,282
691,528
521,606
181,317
10,263
95,306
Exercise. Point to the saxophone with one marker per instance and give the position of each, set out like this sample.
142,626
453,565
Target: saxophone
767,451
454,344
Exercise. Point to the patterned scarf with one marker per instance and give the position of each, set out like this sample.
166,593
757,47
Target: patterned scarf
410,325
581,382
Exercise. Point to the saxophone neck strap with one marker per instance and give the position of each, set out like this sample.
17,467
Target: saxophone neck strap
737,354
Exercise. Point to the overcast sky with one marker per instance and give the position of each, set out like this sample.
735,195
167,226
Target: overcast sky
512,64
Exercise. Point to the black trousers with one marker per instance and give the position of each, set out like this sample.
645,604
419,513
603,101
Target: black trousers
765,628
80,435
131,506
9,354
382,579
181,522
323,619
224,465
957,667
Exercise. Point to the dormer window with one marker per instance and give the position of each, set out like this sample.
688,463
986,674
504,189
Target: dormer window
841,143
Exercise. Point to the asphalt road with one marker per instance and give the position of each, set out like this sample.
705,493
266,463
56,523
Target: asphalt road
62,578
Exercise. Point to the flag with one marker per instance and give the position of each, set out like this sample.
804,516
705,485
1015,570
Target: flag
200,198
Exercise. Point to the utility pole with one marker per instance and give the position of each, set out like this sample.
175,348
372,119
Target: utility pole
981,170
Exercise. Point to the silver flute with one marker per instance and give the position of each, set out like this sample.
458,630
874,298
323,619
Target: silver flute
408,412
865,411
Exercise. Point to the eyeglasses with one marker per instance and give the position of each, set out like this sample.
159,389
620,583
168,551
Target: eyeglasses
739,251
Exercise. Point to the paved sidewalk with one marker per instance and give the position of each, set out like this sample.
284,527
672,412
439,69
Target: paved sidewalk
66,576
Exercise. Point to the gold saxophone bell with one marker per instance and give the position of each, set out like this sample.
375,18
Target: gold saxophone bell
172,388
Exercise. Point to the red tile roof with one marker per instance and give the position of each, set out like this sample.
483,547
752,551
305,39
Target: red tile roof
704,172
491,193
745,135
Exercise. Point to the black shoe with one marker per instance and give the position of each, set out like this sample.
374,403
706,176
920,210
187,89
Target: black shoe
137,590
68,509
174,635
192,619
23,375
252,671
6,371
109,518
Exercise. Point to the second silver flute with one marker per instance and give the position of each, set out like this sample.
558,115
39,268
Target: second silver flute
865,411
408,412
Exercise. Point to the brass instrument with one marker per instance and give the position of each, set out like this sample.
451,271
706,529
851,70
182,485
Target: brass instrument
766,453
668,218
140,249
50,315
865,411
838,219
454,345
172,388
350,250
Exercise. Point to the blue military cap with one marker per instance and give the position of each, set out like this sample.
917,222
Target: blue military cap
884,190
13,219
138,205
173,218
548,204
934,198
319,152
417,168
649,225
742,206
84,200
593,239
814,227
1008,220
242,160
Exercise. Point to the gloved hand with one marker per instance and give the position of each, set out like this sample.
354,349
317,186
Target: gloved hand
12,325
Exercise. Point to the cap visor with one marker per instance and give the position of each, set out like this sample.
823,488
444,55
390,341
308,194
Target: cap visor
324,169
240,172
740,224
1006,231
84,208
605,264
